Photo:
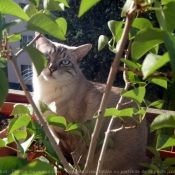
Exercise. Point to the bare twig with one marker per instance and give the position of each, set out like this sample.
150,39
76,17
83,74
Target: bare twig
111,77
41,119
31,42
167,75
78,171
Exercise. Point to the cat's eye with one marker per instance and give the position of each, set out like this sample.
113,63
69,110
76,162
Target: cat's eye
65,62
47,57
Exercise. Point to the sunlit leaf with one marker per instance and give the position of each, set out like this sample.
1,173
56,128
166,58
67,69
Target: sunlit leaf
127,6
52,5
42,23
128,112
111,112
163,121
11,163
76,126
158,104
25,145
136,94
165,141
153,62
115,27
2,143
141,23
17,123
145,40
18,135
38,58
63,1
14,37
159,81
62,23
35,2
102,42
4,85
86,5
11,8
30,9
131,64
57,121
20,109
166,16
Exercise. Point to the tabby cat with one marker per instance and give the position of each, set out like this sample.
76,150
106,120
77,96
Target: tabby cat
77,99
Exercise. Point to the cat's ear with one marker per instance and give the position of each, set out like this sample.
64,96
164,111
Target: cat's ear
81,51
43,44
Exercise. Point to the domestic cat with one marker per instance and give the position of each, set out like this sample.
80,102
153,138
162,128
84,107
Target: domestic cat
77,99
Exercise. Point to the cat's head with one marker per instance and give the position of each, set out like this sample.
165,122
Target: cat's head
63,61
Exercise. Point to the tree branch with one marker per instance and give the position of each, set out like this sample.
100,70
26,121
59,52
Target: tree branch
37,112
111,77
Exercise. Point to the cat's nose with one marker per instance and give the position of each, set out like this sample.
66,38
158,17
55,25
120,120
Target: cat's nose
52,67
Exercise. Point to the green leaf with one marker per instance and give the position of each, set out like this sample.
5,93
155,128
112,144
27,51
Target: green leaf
11,8
102,42
158,104
52,5
42,23
17,123
128,112
111,112
25,145
153,150
115,27
53,107
38,58
128,4
57,121
153,62
14,37
166,16
161,140
159,81
43,107
1,28
18,135
20,109
11,163
62,23
35,2
168,143
131,64
12,23
163,121
37,167
86,5
141,23
2,143
145,40
18,144
170,46
4,85
30,9
76,126
133,78
64,2
169,161
136,94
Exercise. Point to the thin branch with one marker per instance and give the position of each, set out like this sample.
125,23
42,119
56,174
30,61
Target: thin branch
31,42
78,171
119,104
167,75
41,119
111,77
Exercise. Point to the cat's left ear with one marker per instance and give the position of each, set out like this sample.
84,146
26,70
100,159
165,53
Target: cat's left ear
81,51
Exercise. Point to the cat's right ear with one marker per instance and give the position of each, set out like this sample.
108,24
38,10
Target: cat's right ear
43,44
